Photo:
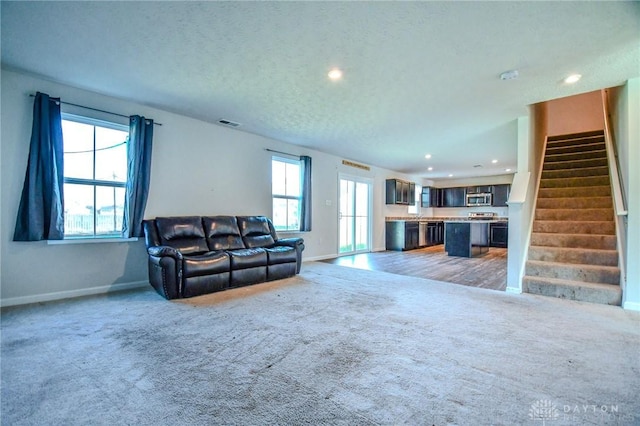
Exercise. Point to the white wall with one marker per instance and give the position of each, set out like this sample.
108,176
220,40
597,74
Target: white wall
625,110
521,202
575,114
198,168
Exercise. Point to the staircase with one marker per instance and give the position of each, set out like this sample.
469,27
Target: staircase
573,250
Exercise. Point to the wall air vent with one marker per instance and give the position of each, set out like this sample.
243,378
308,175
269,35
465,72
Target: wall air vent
228,123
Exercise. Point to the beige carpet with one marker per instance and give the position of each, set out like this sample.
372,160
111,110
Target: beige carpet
335,345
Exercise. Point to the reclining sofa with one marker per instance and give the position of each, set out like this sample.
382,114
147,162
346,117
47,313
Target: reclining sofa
192,255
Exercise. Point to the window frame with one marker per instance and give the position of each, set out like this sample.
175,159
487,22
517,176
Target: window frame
298,198
116,236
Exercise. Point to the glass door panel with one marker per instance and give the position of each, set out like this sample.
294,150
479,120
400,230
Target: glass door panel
355,211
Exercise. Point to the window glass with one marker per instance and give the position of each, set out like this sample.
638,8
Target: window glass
95,176
287,193
111,154
78,149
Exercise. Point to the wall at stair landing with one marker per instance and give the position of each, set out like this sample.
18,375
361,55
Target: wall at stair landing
574,114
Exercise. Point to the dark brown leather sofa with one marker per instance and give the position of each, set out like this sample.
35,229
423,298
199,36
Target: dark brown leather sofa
192,255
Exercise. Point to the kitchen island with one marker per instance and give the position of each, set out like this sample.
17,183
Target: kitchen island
466,238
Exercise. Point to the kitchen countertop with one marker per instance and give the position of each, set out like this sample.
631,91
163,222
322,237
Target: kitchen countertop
443,219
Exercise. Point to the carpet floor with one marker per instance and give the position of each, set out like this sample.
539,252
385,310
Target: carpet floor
334,345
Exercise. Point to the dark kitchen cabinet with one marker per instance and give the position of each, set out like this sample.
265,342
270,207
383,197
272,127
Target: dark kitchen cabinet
499,234
436,197
435,233
425,197
402,235
478,189
400,192
500,195
454,197
431,197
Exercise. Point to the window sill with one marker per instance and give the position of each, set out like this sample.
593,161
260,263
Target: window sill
92,240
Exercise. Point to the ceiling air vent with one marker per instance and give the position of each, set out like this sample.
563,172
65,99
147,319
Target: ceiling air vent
477,166
228,123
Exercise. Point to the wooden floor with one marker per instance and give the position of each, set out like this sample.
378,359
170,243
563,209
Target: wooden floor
487,271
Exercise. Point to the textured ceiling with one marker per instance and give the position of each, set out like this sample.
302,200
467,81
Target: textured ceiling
419,77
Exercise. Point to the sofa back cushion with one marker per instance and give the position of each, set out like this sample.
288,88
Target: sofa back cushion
184,233
255,231
222,233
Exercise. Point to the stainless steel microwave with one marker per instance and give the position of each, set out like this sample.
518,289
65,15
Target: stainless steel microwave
479,199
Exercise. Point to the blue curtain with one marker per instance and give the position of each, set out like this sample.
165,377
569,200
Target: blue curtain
305,213
139,175
40,215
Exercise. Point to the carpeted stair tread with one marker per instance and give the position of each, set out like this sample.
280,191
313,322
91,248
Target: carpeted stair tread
573,148
575,290
571,173
591,227
575,202
576,136
574,272
574,255
587,241
576,164
574,182
572,156
577,191
598,214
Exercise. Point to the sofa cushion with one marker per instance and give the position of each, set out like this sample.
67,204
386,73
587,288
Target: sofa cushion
222,233
255,231
281,254
248,258
184,233
214,262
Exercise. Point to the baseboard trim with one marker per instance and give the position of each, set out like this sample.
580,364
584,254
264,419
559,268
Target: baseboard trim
315,258
333,256
59,295
631,306
513,290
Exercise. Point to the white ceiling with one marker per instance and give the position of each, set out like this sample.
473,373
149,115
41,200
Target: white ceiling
419,77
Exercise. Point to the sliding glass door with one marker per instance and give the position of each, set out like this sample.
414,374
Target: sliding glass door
354,215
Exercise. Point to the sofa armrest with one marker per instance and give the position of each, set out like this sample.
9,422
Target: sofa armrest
162,251
291,242
296,243
165,271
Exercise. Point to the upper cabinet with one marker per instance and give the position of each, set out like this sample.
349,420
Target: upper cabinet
431,197
400,192
500,195
457,197
479,189
454,197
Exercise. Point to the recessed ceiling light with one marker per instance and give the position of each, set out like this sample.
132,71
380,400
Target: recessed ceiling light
507,170
427,156
450,175
494,161
573,78
335,74
430,168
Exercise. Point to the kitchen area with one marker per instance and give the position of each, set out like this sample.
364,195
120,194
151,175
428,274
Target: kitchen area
475,218
456,233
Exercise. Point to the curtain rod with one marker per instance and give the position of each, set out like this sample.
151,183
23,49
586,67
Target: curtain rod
280,152
94,109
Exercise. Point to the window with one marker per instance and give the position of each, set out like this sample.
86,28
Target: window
95,175
286,189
